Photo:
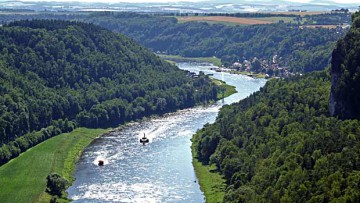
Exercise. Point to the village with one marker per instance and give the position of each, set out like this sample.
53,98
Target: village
261,68
256,68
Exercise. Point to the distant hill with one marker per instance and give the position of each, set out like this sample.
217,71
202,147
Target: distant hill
67,74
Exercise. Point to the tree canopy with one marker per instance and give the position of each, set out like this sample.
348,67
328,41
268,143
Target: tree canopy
67,74
281,145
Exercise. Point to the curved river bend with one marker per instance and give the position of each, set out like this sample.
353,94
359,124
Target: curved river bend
161,171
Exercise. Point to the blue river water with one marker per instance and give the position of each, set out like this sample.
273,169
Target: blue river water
160,171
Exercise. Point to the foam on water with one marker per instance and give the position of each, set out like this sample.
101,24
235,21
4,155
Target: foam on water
115,192
100,158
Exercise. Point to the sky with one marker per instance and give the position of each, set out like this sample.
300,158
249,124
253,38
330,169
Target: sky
114,1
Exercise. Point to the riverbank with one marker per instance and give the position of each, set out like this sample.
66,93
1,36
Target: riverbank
227,89
253,75
211,182
176,58
23,179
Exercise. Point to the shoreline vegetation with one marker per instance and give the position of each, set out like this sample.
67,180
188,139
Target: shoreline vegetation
59,154
176,58
228,89
211,182
253,75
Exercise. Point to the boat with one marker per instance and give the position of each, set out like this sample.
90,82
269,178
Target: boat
100,163
144,140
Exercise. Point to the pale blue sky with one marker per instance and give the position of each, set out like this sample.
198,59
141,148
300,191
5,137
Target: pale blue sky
114,1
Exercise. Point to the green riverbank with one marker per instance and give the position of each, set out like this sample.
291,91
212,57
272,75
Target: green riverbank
23,179
227,89
253,75
176,58
211,182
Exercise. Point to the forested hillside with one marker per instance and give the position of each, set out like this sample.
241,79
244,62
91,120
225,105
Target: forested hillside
301,49
58,75
281,144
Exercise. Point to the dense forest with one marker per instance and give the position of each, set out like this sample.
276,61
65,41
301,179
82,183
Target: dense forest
300,49
281,144
56,75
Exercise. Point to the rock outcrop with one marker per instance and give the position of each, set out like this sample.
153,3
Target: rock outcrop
345,74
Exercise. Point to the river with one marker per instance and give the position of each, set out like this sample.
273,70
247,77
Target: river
161,171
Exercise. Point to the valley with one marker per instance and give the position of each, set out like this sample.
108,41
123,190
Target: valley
170,103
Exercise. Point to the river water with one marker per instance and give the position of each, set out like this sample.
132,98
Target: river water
160,171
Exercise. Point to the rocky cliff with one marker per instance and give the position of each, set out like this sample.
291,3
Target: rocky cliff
345,74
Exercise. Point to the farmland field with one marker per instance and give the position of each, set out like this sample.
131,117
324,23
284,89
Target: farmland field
225,19
277,19
229,20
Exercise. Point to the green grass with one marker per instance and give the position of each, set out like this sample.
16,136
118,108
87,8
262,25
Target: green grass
255,75
210,181
277,19
176,58
23,179
229,90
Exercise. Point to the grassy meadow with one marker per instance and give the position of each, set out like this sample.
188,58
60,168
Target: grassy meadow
210,181
277,19
23,179
228,89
